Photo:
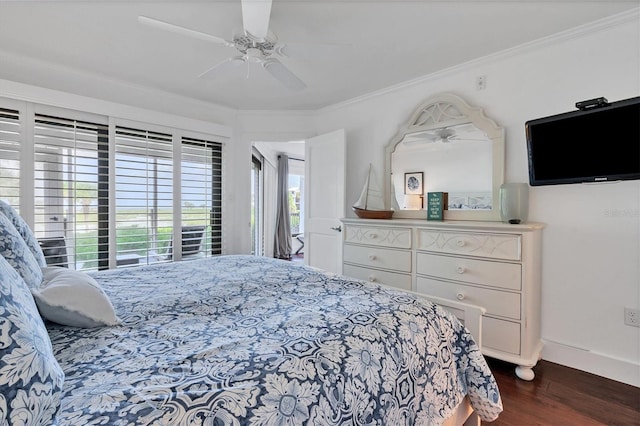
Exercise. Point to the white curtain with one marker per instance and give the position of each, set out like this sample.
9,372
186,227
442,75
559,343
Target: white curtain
282,242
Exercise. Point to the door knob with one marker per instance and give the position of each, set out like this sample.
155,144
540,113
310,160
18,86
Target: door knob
337,228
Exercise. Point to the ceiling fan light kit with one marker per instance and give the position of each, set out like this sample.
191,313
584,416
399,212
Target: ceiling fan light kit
244,42
256,44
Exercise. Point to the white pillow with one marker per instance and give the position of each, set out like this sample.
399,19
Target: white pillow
73,298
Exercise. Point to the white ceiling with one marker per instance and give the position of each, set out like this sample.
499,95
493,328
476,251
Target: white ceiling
388,42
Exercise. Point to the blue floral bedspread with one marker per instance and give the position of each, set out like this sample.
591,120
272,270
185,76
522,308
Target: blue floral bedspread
243,340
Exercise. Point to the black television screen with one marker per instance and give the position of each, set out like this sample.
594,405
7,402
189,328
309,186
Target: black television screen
596,144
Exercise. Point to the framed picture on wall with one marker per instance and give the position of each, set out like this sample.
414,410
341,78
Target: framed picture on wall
413,183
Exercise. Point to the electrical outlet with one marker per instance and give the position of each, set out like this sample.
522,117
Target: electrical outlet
632,317
481,82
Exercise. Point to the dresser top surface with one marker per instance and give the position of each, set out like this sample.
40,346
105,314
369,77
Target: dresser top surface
447,224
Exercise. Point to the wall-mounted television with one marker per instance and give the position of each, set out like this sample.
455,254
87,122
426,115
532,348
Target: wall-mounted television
598,143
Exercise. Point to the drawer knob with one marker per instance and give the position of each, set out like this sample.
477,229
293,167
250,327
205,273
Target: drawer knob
460,269
460,243
372,257
373,236
460,296
372,279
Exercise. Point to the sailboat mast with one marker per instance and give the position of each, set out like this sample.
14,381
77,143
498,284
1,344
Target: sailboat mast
366,200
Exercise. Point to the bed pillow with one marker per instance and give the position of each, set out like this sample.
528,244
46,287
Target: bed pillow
73,298
14,249
25,232
30,377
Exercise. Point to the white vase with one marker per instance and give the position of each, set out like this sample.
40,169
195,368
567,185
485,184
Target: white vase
514,202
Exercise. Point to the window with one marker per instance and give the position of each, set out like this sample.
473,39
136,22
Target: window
77,174
296,195
71,191
296,205
256,205
144,196
201,193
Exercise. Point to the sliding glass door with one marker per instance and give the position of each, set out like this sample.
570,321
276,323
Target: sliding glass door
104,192
257,218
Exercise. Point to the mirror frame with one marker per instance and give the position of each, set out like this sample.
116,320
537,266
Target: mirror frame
445,110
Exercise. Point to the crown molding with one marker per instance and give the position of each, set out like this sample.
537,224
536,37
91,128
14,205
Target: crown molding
612,21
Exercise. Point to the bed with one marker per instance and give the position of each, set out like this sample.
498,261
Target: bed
240,340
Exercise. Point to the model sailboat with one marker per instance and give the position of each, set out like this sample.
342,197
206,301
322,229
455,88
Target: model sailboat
370,205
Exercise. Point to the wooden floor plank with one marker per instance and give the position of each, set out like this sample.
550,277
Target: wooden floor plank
565,396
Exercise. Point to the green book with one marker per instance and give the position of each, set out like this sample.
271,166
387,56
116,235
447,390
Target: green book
436,205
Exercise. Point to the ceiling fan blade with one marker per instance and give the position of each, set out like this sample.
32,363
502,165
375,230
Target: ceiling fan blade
255,17
461,138
420,137
161,25
283,74
223,67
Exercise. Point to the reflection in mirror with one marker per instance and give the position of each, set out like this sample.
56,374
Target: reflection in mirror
454,148
455,159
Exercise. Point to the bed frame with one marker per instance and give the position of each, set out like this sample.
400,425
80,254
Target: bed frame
471,317
463,416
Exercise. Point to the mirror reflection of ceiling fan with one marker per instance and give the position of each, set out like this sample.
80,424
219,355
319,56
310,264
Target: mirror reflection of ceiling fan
256,44
461,132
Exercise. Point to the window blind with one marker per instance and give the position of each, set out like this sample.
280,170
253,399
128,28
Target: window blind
144,196
10,133
71,191
59,161
201,189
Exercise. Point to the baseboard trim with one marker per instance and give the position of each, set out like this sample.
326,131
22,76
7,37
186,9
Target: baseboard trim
602,365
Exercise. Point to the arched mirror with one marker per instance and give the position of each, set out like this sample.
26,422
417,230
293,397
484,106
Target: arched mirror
446,146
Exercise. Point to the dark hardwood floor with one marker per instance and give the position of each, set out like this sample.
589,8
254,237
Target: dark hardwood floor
561,395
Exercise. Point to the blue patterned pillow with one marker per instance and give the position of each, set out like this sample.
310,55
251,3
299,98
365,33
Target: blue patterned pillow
30,377
15,251
25,232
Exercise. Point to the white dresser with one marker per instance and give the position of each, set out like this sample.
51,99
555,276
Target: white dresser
489,264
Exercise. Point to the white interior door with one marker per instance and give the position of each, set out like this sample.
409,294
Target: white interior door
324,200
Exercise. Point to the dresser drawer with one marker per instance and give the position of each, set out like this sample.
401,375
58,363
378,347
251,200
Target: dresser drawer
501,335
393,279
496,302
377,257
493,246
493,274
378,236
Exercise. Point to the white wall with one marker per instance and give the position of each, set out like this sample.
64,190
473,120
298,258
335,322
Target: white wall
591,247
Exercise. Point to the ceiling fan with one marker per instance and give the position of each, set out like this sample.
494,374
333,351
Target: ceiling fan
256,44
464,132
